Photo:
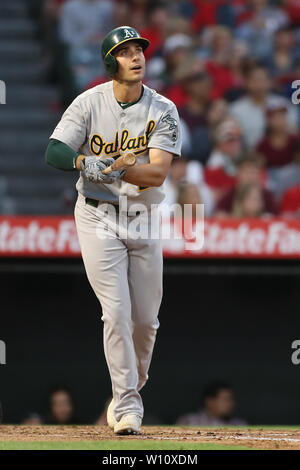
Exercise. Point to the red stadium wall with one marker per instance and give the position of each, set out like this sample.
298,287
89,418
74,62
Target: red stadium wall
231,238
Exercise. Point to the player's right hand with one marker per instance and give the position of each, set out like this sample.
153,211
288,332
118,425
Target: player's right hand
93,167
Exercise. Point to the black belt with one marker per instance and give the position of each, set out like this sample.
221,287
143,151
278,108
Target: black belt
95,203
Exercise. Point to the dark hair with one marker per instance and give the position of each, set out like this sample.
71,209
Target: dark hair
200,75
251,158
253,67
59,388
155,5
212,390
284,29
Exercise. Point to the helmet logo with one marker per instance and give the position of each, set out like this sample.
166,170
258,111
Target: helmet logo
129,34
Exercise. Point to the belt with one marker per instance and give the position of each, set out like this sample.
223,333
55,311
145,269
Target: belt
95,203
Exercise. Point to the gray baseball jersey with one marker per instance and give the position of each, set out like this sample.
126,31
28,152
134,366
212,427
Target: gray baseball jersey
95,124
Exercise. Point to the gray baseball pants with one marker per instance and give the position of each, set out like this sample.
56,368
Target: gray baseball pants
126,276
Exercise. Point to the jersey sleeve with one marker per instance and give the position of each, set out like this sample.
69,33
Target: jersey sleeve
167,134
72,127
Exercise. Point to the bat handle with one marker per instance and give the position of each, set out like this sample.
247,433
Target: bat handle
107,170
121,163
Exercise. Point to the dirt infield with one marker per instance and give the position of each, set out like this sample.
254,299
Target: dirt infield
248,437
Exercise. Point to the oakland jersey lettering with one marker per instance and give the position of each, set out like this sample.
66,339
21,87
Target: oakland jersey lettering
127,143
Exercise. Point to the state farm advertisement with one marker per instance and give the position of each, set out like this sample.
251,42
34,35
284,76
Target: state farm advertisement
238,238
38,236
232,238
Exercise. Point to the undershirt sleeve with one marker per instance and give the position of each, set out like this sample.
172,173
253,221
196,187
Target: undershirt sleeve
61,156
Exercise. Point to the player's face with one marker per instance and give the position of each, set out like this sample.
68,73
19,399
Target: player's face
131,62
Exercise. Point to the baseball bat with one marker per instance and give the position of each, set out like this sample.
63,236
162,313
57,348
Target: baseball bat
122,162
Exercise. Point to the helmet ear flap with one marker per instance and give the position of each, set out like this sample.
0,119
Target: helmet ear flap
111,64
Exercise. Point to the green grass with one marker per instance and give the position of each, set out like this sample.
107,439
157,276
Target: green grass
272,427
115,445
243,428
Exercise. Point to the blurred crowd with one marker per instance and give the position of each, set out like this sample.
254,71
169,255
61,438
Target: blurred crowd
216,407
230,66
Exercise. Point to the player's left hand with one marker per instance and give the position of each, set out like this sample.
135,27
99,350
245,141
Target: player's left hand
93,167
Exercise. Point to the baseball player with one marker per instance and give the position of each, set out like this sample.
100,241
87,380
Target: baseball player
112,119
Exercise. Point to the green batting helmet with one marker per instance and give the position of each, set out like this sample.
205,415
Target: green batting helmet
116,37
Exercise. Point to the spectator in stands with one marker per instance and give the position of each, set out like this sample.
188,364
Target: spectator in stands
176,58
121,12
289,175
83,25
32,419
189,194
288,187
290,204
239,59
249,172
183,171
61,407
282,61
249,201
220,171
258,24
138,13
202,137
218,408
217,112
197,86
279,144
249,110
154,31
208,13
85,22
177,24
292,8
219,41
